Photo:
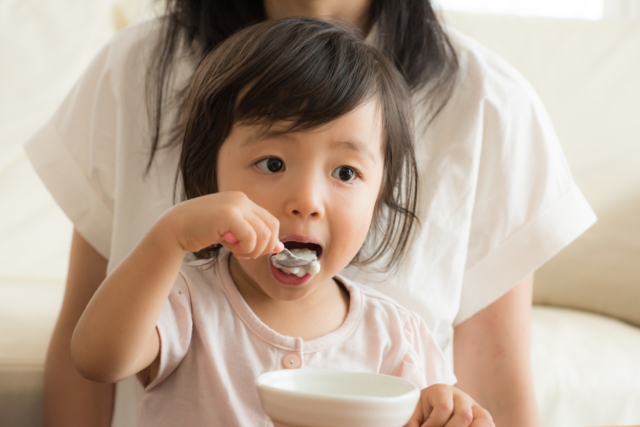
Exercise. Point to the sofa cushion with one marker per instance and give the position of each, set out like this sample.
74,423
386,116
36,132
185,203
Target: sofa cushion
601,270
586,369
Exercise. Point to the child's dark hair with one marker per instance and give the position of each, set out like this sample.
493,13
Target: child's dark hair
307,72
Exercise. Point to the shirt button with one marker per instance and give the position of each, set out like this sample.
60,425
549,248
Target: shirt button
291,361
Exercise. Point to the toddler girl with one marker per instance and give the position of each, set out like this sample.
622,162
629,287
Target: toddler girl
296,134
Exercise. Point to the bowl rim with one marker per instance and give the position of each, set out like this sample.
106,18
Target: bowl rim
337,397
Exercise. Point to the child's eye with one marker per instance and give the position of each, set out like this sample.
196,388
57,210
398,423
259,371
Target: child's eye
345,173
270,165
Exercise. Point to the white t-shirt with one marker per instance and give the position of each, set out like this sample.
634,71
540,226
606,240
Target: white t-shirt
214,346
497,198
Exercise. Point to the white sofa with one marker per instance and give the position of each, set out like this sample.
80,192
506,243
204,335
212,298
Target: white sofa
586,359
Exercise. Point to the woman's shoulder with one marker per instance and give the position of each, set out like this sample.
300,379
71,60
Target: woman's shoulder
488,91
131,50
483,72
137,38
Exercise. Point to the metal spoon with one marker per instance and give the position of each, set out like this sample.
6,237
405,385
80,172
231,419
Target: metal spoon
290,261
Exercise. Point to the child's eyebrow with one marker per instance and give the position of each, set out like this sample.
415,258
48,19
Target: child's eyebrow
261,136
356,146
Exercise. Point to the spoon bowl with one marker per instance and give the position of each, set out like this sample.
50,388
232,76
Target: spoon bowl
288,260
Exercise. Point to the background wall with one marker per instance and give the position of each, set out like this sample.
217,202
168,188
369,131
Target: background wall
569,9
45,46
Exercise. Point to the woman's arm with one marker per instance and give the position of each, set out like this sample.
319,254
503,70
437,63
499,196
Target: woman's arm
492,358
69,399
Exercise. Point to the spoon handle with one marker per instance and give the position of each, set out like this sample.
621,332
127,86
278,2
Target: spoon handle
229,237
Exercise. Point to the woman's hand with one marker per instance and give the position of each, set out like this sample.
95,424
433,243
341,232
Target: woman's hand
203,221
442,405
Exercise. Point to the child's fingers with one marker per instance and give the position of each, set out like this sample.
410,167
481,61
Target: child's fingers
263,235
445,406
481,417
273,225
256,243
438,405
462,410
244,231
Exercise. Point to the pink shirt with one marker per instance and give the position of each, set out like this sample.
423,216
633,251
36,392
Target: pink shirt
213,346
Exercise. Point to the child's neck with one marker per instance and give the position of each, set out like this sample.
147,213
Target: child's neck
317,314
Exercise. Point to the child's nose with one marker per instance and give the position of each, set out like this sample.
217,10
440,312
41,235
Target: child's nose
305,199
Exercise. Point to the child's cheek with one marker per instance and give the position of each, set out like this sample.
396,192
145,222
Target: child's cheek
352,227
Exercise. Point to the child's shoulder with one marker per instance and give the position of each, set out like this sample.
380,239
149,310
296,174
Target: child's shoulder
376,301
199,275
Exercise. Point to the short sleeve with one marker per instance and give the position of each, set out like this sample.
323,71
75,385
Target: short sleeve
424,363
527,206
175,326
74,154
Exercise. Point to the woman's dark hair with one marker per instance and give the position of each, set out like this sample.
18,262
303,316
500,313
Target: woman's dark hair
408,34
307,73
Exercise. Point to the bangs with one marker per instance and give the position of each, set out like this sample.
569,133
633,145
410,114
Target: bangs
323,75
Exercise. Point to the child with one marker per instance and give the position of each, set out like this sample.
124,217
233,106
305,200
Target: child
296,135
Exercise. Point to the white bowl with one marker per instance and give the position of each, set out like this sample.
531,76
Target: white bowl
327,398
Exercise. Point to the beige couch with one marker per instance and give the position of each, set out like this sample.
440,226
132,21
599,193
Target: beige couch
586,361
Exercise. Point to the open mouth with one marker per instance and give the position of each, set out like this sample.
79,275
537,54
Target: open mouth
308,245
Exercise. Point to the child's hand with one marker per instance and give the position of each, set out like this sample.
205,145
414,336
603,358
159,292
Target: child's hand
203,221
443,405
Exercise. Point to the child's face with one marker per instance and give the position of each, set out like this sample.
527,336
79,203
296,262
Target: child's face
322,185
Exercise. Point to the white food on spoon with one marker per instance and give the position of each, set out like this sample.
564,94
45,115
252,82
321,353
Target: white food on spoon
303,253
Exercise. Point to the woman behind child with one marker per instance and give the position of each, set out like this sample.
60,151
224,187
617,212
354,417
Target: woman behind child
297,134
